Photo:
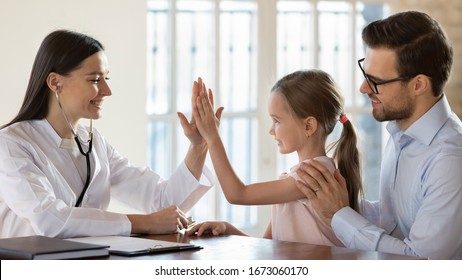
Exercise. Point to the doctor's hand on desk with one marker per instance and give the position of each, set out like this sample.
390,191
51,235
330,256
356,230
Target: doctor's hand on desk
168,220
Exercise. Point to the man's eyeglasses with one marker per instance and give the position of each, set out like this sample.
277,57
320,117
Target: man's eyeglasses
373,84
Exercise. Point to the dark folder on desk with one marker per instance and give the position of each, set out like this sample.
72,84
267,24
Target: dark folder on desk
133,246
46,248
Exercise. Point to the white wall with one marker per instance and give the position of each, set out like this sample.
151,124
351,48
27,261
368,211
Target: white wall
120,25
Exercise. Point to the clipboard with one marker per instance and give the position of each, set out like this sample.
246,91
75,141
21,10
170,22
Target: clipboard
133,246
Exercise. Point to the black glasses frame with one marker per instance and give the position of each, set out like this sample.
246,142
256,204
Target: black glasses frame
373,85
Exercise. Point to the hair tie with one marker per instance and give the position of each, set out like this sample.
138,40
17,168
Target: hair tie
343,118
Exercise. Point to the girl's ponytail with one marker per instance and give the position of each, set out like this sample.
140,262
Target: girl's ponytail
346,155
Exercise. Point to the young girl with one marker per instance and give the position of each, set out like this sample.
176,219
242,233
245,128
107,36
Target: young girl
305,107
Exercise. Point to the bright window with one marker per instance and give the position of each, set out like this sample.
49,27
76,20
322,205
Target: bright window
223,42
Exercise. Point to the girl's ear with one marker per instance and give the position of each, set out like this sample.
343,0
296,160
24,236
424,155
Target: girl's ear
311,125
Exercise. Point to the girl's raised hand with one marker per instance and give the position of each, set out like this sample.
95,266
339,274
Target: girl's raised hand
206,119
190,127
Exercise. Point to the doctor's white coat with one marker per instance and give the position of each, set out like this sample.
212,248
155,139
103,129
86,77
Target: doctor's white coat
39,182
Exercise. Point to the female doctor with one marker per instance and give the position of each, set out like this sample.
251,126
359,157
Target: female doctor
57,177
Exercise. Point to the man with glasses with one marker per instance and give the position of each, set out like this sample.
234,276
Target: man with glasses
419,212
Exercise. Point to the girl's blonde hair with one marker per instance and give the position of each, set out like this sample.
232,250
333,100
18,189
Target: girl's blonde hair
314,93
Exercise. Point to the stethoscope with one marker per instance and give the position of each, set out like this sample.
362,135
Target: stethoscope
79,145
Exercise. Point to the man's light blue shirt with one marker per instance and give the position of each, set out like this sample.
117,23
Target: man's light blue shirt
419,211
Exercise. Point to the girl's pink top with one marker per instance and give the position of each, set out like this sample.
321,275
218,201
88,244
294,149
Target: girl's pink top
297,221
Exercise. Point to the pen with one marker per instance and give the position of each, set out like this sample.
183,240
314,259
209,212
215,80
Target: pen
160,248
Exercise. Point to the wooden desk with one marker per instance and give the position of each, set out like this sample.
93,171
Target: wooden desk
233,247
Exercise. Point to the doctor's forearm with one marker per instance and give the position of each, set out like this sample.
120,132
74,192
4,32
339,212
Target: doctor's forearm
195,159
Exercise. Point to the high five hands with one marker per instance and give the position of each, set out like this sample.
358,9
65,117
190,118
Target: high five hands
204,98
206,119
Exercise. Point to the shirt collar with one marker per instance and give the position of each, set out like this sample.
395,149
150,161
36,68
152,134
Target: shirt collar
50,131
427,126
59,142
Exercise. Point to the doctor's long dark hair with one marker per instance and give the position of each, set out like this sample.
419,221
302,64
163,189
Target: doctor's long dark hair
62,51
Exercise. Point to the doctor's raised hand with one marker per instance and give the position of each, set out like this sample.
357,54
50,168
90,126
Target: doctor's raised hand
58,176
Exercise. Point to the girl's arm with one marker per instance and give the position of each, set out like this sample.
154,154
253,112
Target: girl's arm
236,192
